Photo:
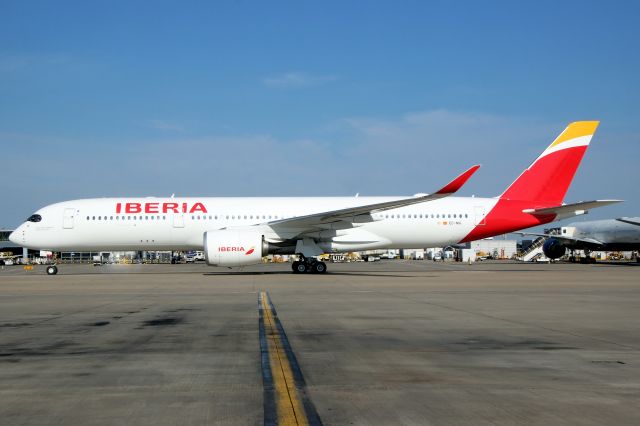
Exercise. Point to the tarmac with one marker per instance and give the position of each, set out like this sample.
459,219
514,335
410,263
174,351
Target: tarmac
385,343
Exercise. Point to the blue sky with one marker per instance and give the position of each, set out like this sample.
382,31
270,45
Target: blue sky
310,98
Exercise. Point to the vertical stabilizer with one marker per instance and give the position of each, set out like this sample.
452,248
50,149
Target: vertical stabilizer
547,179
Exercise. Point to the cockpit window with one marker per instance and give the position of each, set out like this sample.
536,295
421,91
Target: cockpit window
34,218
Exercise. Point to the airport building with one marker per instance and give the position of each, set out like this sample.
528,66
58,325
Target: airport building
495,248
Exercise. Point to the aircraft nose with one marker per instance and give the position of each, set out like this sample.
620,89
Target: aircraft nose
14,237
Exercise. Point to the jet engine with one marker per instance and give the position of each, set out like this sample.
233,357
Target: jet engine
234,247
553,248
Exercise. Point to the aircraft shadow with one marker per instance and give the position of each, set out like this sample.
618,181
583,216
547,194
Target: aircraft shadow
631,264
347,274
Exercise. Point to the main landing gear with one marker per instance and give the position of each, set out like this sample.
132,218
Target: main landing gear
586,259
308,264
52,270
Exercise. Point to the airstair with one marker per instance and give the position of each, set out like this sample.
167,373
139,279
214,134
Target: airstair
534,251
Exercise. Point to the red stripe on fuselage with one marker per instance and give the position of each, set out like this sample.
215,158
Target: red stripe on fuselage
543,185
506,216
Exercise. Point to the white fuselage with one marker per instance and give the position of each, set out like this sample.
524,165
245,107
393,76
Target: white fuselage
608,231
179,223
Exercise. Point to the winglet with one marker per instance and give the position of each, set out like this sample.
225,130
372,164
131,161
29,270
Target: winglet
457,183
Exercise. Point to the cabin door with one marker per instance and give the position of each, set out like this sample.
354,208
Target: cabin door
480,215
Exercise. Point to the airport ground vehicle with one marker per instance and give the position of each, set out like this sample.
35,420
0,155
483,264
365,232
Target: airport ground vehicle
240,231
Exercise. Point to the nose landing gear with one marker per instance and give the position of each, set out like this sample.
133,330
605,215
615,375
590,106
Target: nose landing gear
308,264
52,270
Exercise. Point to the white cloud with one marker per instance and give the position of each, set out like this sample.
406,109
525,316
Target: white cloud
297,80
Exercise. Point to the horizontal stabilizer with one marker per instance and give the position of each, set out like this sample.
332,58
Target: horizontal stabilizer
568,210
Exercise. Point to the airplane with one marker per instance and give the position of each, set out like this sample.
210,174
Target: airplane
235,231
622,234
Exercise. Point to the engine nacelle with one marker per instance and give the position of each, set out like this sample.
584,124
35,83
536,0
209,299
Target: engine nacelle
553,248
234,247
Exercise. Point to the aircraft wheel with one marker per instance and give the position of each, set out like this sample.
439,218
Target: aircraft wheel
319,268
299,267
52,270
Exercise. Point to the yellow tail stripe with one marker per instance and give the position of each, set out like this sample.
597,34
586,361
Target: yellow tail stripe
576,130
288,402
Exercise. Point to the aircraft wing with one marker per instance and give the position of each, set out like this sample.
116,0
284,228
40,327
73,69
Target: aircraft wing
346,218
630,220
568,210
564,238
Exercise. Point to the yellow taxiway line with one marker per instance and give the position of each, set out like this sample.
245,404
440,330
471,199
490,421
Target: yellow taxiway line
289,407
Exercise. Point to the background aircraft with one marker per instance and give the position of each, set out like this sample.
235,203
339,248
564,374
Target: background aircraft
622,234
240,231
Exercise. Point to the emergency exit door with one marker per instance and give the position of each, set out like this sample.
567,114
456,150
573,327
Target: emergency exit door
67,221
178,220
